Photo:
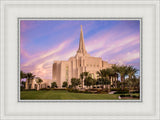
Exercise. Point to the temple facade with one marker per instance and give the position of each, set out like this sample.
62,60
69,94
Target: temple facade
74,66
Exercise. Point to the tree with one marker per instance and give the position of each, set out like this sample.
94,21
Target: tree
22,74
115,74
103,81
89,81
123,72
75,82
104,77
39,81
136,83
131,71
65,84
53,85
29,77
102,73
83,75
129,83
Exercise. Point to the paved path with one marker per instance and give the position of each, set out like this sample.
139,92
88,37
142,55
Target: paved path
112,92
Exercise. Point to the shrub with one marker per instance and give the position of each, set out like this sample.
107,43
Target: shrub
135,96
121,92
115,89
30,90
135,92
57,88
53,85
86,91
22,88
70,86
73,90
65,84
44,89
125,95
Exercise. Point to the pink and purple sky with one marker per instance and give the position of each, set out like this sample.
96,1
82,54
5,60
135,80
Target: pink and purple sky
44,41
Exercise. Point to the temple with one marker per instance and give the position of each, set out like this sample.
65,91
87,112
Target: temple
81,62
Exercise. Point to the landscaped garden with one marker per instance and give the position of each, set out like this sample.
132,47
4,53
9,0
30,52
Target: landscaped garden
72,95
105,87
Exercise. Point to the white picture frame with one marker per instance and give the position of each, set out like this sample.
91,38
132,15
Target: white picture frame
11,108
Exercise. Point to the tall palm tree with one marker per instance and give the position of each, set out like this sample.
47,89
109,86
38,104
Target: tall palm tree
104,77
29,77
131,71
122,70
39,81
102,73
88,81
22,74
83,76
116,74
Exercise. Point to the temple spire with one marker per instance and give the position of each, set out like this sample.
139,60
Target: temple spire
81,48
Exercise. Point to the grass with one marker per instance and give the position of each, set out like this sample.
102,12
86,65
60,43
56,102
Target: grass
64,95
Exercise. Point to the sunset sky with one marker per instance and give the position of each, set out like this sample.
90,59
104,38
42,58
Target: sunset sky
44,41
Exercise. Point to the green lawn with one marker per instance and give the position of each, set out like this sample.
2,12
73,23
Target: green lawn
64,95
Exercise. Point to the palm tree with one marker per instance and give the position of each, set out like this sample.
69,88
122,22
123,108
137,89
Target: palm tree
129,83
89,81
29,77
39,81
83,76
102,73
131,71
122,70
104,77
22,75
116,74
136,83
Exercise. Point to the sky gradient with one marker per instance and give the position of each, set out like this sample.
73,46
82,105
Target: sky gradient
44,41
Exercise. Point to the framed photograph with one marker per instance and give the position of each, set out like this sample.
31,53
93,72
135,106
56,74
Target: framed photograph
85,75
80,60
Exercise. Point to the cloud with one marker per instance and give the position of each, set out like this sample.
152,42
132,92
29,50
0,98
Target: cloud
117,46
113,43
41,64
125,58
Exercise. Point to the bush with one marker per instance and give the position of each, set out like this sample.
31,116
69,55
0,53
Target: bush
65,84
30,90
121,92
86,91
135,96
53,85
73,90
44,89
135,92
115,89
57,88
22,89
125,95
119,89
70,86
